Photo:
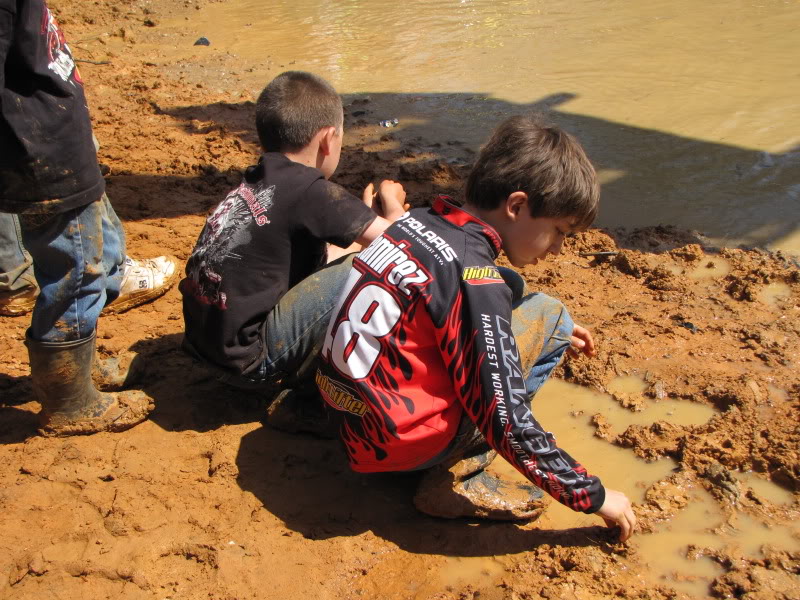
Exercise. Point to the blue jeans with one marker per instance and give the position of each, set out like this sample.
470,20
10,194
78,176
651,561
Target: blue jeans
539,354
77,259
16,265
295,330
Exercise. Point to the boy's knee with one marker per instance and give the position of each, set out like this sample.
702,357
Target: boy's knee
555,319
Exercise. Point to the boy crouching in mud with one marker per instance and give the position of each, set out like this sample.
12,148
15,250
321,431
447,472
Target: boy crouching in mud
254,304
434,353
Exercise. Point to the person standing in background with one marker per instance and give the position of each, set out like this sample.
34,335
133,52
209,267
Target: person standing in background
50,179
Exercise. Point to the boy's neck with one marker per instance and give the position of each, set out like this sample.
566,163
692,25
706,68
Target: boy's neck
307,156
490,217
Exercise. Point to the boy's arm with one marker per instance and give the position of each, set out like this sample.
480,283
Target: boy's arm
491,386
388,204
390,196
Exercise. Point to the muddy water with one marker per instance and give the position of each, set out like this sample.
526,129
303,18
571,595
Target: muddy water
689,110
566,410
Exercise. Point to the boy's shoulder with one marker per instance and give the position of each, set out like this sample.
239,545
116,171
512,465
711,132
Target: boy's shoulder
273,168
450,221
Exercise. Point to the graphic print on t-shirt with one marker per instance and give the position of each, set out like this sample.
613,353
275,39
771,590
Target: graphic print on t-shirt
59,54
224,232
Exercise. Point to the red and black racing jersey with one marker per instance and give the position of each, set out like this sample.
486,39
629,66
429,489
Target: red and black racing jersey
421,334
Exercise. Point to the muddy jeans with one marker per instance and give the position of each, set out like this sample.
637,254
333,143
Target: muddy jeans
16,265
538,362
77,260
295,330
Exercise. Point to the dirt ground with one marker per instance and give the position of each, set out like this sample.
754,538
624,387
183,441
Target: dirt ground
203,501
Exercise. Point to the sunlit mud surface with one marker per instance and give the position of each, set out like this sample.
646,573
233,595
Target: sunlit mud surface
691,406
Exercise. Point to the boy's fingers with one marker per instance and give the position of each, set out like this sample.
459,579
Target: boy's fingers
369,194
626,524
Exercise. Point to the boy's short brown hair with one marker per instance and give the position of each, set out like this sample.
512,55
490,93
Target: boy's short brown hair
293,108
527,154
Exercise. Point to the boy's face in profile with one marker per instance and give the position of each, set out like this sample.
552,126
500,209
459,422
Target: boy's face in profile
529,239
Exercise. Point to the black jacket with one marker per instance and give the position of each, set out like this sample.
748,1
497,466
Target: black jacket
47,156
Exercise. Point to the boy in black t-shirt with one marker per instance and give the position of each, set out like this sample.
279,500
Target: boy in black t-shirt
250,302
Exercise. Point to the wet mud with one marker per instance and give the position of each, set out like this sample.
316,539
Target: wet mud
204,501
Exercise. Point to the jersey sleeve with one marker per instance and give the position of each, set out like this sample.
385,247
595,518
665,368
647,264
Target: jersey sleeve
332,214
490,384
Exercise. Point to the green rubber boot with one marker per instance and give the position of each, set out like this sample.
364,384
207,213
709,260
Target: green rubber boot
61,374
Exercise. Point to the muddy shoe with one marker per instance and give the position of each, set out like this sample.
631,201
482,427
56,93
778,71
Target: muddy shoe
295,412
19,302
478,496
112,412
61,374
143,281
115,373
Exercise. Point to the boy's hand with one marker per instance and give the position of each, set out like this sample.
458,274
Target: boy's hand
391,200
581,341
368,196
617,512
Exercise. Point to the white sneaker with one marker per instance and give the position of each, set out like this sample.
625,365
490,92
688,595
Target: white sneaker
143,281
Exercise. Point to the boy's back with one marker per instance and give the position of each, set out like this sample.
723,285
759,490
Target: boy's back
270,235
424,335
266,236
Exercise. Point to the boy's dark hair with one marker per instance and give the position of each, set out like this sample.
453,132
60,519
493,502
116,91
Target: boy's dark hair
293,108
527,154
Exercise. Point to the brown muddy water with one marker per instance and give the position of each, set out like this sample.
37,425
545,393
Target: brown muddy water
566,410
689,110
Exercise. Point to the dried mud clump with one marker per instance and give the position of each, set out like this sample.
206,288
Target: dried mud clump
690,253
653,441
774,577
631,263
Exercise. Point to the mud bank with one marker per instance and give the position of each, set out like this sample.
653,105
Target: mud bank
203,501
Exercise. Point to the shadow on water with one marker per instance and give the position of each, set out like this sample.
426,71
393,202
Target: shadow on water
731,195
307,483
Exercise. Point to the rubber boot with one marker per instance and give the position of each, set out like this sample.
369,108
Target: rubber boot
61,374
114,373
465,489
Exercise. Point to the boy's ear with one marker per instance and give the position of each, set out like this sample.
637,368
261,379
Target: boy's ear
515,204
326,137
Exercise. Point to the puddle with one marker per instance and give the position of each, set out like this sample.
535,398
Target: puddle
776,394
476,571
774,293
628,384
566,409
710,269
666,550
702,524
588,402
765,488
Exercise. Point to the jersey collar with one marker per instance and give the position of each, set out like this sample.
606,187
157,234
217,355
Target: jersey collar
454,214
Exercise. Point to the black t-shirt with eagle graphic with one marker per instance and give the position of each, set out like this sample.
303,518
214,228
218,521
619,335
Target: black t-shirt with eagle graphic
263,239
